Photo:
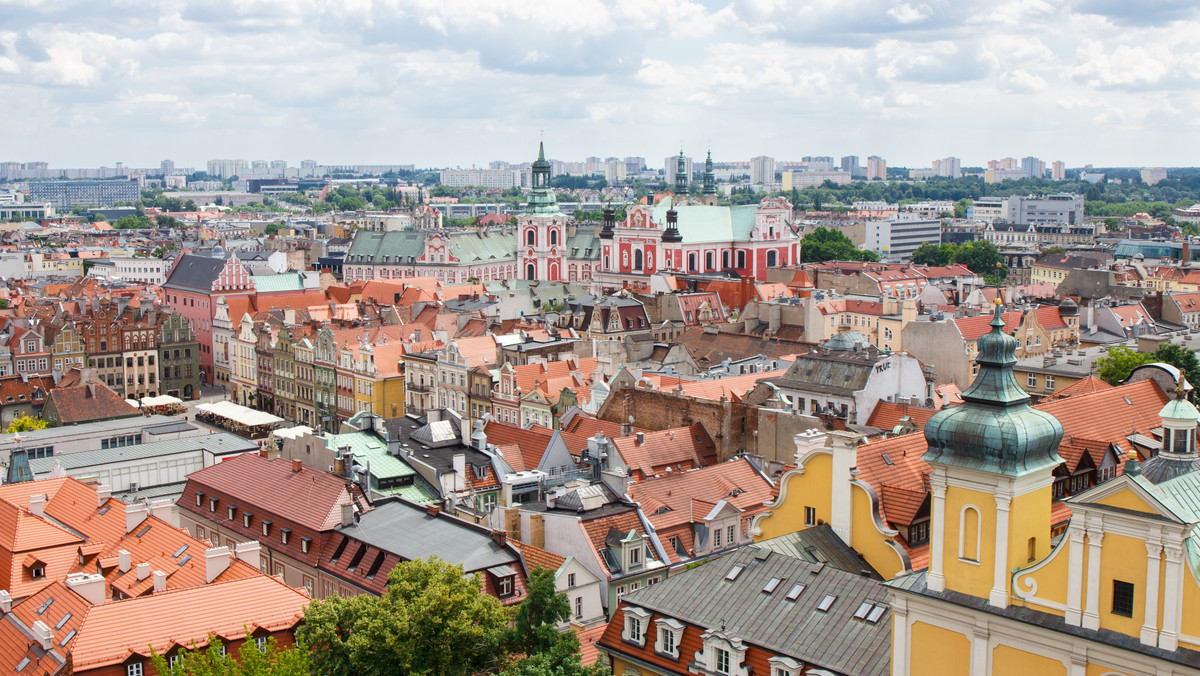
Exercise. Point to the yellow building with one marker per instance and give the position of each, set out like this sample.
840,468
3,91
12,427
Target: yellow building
1110,597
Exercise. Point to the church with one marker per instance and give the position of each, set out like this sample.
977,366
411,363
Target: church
1116,593
671,235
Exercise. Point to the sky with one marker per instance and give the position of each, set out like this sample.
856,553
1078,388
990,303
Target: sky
444,83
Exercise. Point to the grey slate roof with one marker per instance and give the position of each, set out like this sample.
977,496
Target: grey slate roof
195,273
408,531
221,443
821,545
838,372
832,640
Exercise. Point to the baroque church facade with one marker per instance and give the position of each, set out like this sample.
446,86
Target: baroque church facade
674,234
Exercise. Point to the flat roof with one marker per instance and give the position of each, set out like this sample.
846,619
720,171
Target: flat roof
408,531
217,444
90,429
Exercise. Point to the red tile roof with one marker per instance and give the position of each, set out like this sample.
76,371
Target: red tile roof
113,631
1088,385
682,448
887,415
536,557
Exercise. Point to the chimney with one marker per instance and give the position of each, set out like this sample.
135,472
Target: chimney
103,493
537,531
164,510
37,505
339,465
134,516
90,587
248,552
500,537
143,571
845,469
433,510
43,635
123,560
808,441
641,438
5,601
297,465
160,581
216,561
347,515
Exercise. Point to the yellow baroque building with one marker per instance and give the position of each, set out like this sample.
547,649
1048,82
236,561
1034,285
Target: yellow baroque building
1117,594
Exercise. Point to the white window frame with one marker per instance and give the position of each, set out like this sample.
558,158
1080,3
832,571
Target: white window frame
636,623
668,636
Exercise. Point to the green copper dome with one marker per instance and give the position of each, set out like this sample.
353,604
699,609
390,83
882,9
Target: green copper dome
995,429
541,197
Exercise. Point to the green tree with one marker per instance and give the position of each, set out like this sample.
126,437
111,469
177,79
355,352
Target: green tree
1183,359
271,228
25,424
934,254
433,619
562,659
981,257
165,221
539,613
3,303
350,204
272,660
100,218
1119,363
824,244
190,205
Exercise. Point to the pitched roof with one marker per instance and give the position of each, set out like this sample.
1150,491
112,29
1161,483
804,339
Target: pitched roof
308,497
194,273
887,415
683,448
1087,385
113,631
536,557
93,401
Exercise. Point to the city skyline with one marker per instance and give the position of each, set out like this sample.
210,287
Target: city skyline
469,83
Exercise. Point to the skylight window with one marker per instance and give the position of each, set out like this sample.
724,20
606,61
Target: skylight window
863,610
772,585
64,620
887,459
826,603
876,613
795,592
734,572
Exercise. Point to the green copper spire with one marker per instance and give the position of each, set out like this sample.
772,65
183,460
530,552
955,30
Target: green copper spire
995,429
541,197
710,182
681,176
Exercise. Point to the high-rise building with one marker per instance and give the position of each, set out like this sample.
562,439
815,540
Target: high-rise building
762,170
71,194
227,168
1150,176
850,163
1033,167
876,168
1058,170
670,167
950,167
167,166
278,166
614,171
634,165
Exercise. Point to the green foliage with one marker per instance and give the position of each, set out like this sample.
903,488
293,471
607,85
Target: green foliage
444,191
165,221
271,228
1119,363
272,660
432,620
562,659
294,198
824,244
100,218
980,257
190,205
133,222
934,254
3,303
25,424
1183,359
539,613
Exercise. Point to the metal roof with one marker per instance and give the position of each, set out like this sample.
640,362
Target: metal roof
217,444
832,639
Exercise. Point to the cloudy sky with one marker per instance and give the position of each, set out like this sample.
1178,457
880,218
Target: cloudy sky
462,82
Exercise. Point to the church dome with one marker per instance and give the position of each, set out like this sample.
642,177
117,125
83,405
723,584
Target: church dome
995,429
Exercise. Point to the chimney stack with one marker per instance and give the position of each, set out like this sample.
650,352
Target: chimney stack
433,510
500,537
43,635
297,465
348,515
90,587
164,510
123,560
103,493
134,516
143,571
5,601
248,552
641,438
160,581
216,561
37,505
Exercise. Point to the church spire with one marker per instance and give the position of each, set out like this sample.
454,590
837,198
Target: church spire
541,197
710,183
681,177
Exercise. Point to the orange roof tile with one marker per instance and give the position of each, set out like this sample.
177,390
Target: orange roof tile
536,557
681,448
887,415
1087,385
111,632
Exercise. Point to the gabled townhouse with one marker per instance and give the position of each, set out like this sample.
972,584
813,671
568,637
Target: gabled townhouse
1182,307
571,579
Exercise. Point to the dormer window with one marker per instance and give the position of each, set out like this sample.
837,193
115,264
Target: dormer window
212,504
668,636
246,517
285,534
784,666
636,623
199,498
266,528
232,511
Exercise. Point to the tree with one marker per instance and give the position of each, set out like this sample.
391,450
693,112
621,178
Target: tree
562,659
165,221
981,257
1119,363
190,205
934,254
539,613
100,218
1053,250
272,660
26,424
824,244
432,620
3,303
1183,359
271,228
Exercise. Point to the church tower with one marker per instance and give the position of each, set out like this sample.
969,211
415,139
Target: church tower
992,460
709,195
681,180
542,228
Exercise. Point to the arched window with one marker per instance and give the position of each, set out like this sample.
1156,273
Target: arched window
691,262
606,265
969,534
708,261
741,260
724,260
772,258
553,238
530,271
530,238
637,260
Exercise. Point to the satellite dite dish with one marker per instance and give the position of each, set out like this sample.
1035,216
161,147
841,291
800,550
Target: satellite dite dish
631,420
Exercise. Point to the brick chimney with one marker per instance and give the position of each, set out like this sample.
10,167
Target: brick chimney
433,510
297,465
500,537
103,493
165,510
348,514
37,505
